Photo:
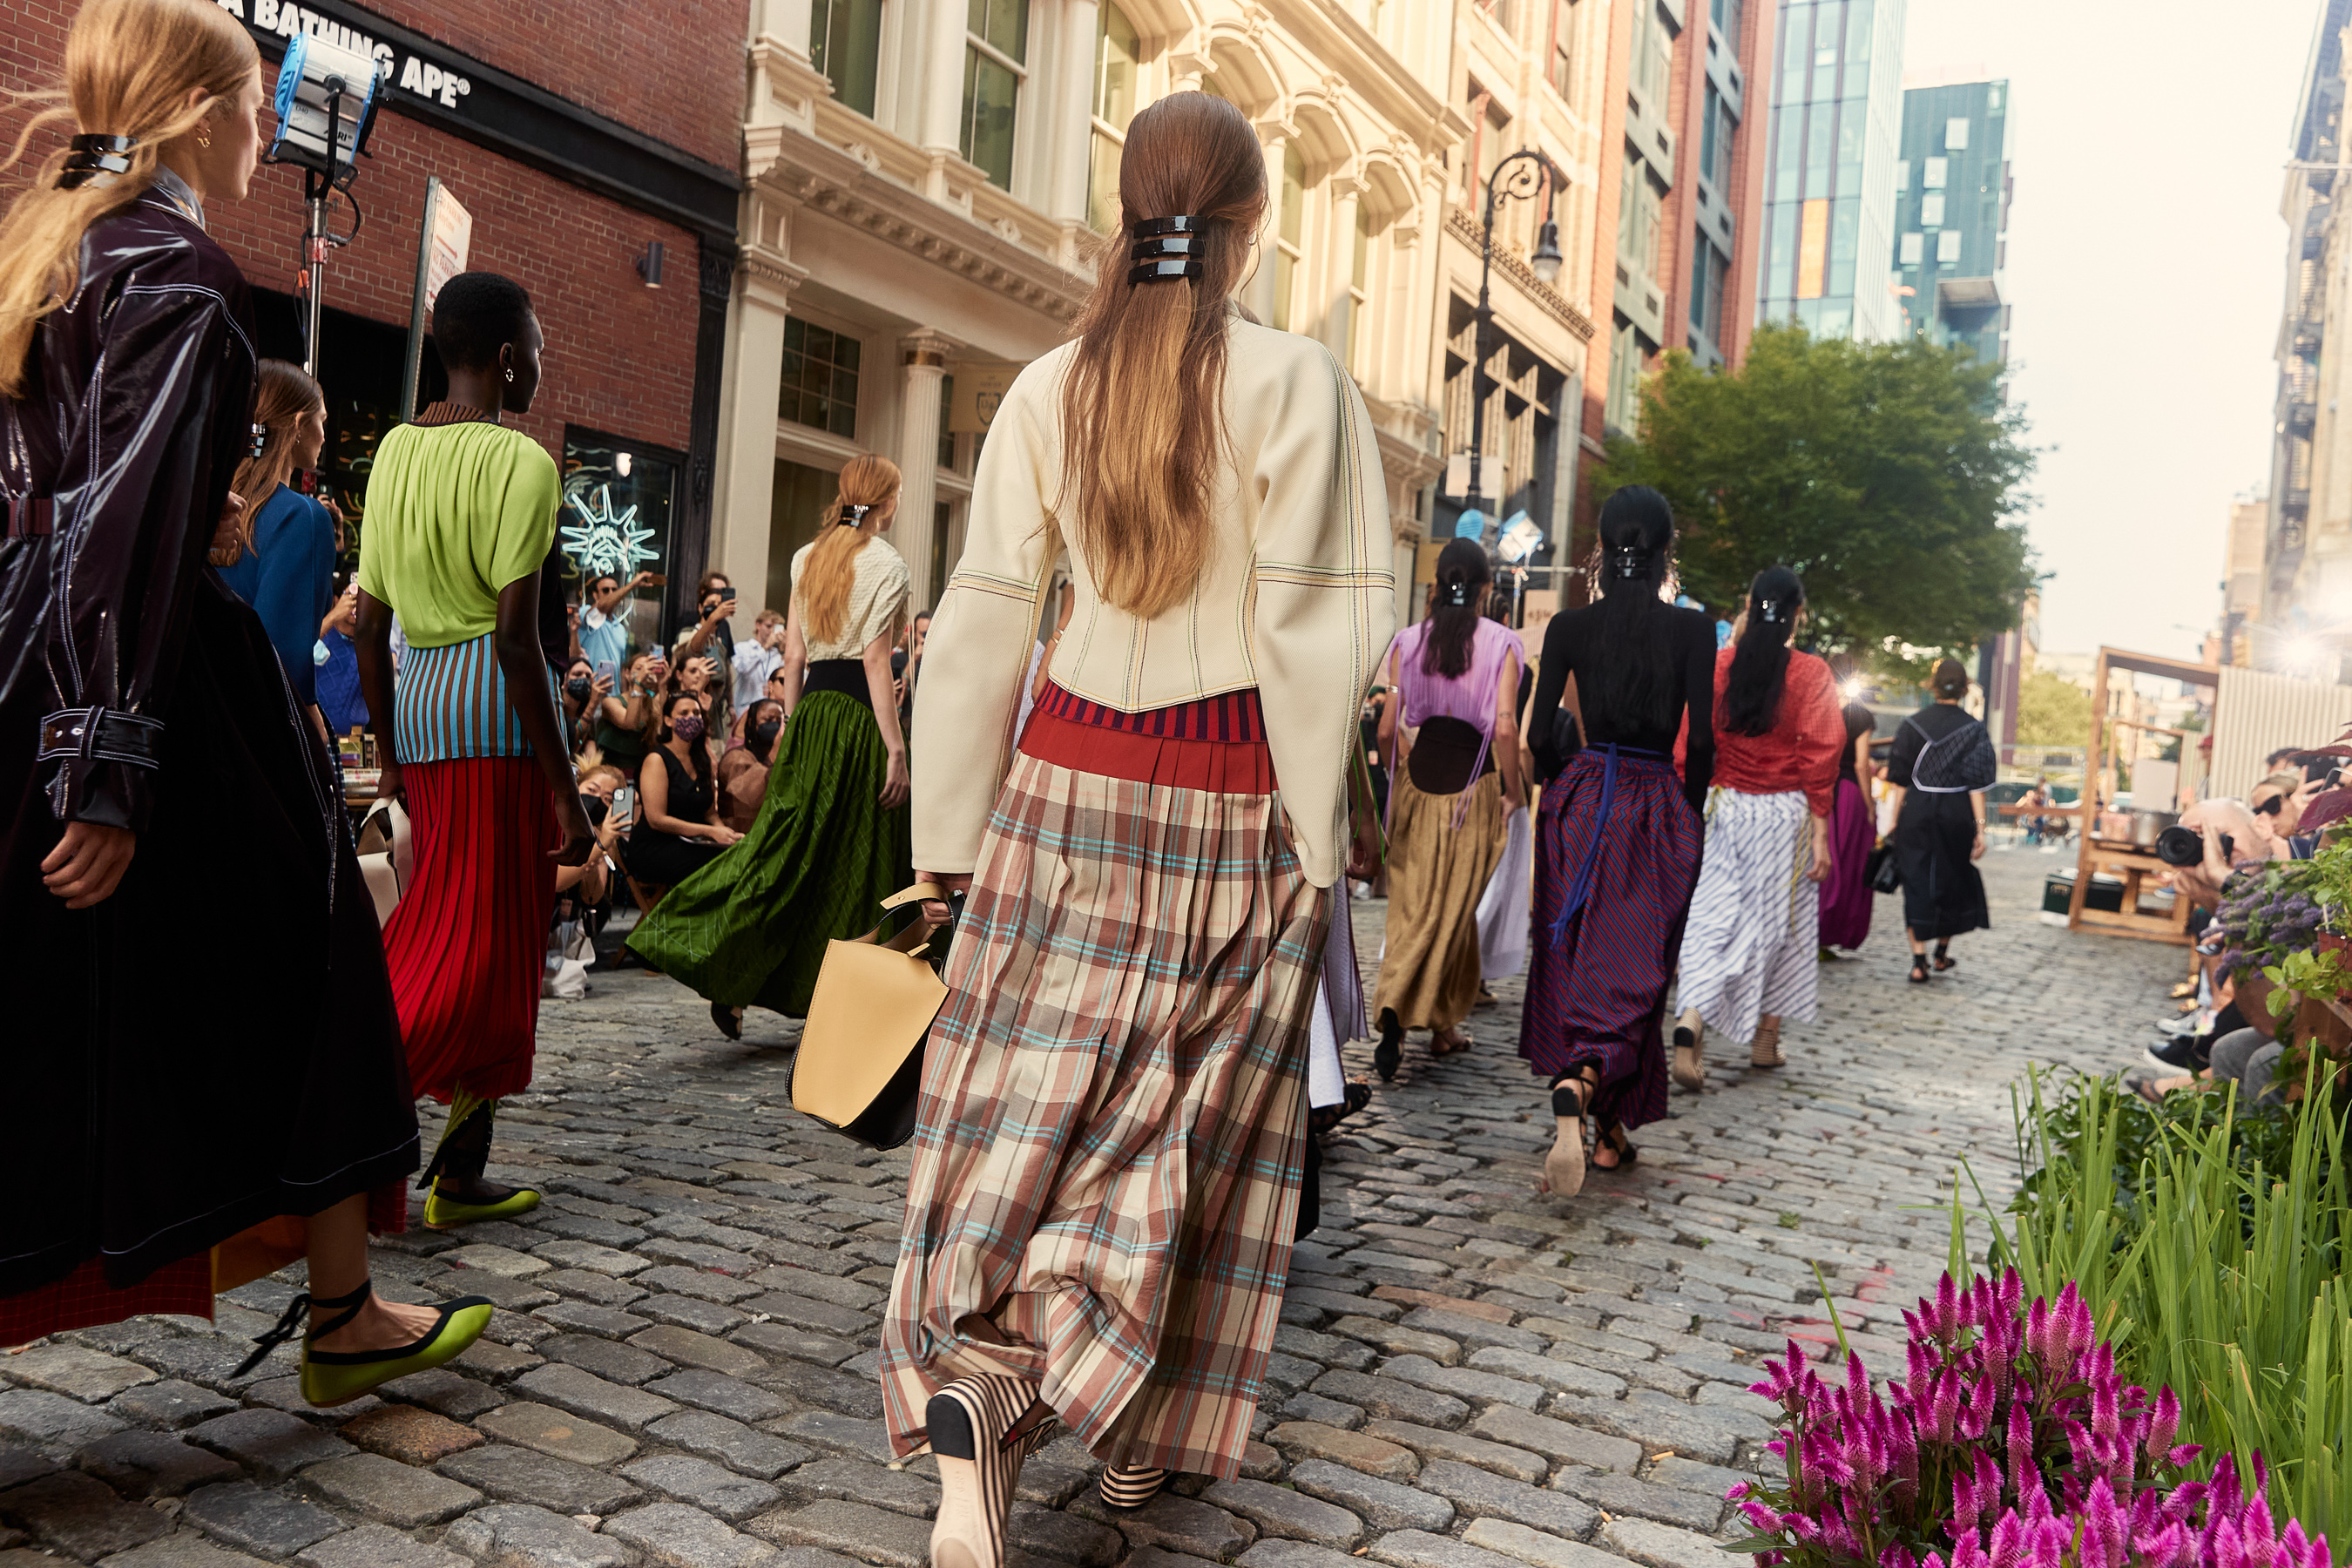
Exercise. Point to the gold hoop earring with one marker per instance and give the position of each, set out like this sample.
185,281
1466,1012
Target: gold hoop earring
205,138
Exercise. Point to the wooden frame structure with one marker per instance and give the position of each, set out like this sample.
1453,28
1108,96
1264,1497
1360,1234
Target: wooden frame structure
2093,855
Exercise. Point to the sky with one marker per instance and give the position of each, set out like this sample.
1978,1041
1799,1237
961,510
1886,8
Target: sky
2146,267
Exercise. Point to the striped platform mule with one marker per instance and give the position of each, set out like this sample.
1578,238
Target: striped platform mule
971,1428
1125,1489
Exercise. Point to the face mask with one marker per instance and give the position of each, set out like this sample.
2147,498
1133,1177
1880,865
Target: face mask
763,735
687,727
579,685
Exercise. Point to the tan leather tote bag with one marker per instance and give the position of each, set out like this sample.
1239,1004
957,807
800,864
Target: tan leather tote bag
860,1065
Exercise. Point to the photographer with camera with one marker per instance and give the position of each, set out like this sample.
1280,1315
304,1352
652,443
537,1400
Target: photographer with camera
714,601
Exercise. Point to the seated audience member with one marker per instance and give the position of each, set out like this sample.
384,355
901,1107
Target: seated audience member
743,771
677,829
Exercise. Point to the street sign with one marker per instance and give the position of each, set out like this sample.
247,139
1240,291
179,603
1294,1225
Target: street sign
449,240
980,387
441,252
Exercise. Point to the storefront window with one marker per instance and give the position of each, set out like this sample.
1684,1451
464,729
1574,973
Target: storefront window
618,498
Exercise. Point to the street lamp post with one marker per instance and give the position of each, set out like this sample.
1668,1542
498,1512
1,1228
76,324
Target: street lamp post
1527,177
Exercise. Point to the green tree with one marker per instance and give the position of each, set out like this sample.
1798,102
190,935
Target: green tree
1887,474
2051,710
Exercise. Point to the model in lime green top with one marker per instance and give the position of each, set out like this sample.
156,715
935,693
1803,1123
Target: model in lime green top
454,513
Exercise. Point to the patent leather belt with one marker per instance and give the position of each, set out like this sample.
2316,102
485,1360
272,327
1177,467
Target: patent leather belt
30,515
104,735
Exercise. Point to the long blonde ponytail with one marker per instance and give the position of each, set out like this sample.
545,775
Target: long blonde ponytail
130,65
831,570
1143,406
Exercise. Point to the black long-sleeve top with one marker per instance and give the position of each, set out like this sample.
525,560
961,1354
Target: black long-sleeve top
1576,644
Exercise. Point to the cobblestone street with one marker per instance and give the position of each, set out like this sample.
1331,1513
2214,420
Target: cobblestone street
1470,1375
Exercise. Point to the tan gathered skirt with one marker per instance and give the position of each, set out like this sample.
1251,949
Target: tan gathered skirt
1429,970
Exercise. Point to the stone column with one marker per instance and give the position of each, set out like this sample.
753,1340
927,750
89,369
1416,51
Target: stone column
924,356
747,437
938,33
1073,108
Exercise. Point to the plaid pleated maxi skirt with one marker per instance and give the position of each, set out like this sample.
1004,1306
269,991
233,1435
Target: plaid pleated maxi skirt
1112,1126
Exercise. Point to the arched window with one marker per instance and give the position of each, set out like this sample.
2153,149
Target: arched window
1360,270
1292,226
1119,56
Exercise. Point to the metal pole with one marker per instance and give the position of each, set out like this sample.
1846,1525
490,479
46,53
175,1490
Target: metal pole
1479,323
316,186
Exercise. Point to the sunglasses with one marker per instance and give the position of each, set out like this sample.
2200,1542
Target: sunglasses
2271,806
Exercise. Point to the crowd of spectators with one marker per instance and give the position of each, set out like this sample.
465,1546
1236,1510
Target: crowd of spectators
2213,1041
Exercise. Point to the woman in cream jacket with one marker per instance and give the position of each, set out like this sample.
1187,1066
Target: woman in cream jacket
1113,1118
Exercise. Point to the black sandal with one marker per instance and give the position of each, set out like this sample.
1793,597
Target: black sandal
1322,1119
1389,1055
1918,969
729,1020
1612,1137
1944,959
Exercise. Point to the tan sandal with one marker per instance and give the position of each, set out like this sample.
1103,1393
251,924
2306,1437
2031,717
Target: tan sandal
1564,1165
1690,1044
1764,1051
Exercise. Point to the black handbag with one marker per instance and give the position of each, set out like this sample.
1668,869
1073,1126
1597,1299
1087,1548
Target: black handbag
1881,872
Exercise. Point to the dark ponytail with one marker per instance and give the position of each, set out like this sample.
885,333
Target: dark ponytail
1462,572
1638,688
1950,680
1759,668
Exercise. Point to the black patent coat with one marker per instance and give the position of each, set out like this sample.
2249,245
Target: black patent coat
215,1044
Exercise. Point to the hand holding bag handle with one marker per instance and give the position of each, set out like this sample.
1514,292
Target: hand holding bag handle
860,1065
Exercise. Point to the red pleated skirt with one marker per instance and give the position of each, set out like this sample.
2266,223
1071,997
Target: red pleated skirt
469,942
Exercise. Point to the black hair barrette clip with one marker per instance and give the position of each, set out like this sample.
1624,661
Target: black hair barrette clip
260,437
854,516
1167,248
91,156
1632,564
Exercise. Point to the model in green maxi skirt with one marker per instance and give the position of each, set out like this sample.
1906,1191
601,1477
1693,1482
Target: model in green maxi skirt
750,928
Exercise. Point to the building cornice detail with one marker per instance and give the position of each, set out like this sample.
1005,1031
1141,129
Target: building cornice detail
1462,227
850,186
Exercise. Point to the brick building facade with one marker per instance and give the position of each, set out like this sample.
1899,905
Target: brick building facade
571,166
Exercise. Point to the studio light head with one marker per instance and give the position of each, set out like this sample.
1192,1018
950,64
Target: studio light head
314,72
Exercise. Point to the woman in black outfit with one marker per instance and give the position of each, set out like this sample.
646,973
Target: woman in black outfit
678,831
1618,839
1940,764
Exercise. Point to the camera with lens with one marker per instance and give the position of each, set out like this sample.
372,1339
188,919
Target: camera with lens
2179,846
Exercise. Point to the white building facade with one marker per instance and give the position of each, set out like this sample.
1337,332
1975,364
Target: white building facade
925,181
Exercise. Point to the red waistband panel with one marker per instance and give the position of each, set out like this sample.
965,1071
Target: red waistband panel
1216,745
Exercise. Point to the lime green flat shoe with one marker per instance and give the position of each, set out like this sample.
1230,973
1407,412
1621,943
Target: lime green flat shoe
447,1214
338,1377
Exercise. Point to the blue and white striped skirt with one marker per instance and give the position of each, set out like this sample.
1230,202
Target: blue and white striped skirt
451,702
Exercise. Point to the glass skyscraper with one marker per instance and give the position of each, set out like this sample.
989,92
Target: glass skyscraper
1829,192
1952,186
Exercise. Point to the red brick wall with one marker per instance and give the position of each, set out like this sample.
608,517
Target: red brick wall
673,71
620,356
